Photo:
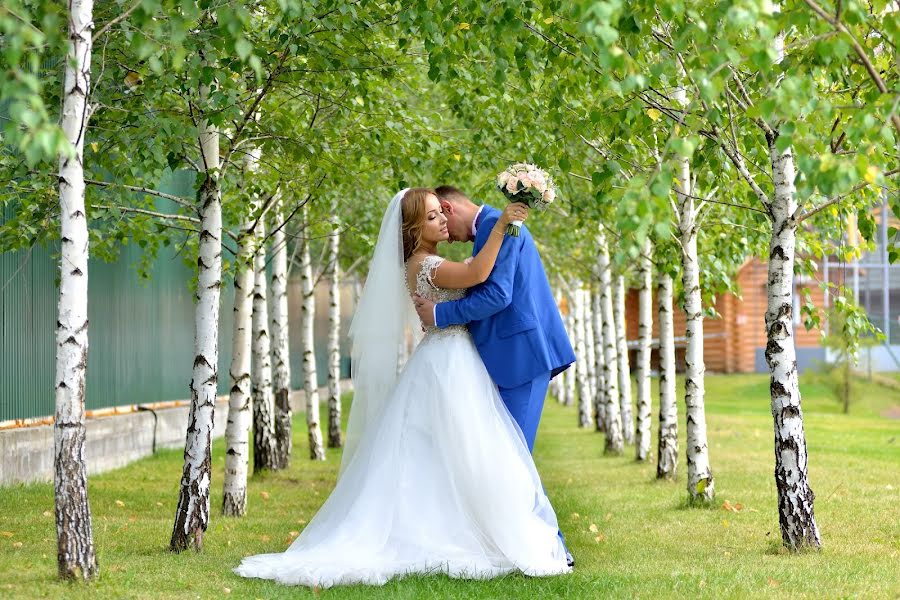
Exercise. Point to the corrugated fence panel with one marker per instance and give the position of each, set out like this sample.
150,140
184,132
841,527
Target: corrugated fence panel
141,333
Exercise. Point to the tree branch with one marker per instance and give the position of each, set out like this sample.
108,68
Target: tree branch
836,199
142,190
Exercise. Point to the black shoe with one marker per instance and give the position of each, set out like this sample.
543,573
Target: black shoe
570,560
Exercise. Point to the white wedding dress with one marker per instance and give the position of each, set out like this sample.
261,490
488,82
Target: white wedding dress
441,482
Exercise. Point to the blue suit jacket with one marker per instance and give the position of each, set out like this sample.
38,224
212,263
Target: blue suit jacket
513,316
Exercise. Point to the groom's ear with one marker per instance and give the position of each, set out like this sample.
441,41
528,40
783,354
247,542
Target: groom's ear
447,206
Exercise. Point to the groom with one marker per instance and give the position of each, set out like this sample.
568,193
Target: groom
512,317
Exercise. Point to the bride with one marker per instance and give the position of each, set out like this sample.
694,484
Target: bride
435,476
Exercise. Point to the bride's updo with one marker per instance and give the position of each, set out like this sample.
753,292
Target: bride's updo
413,208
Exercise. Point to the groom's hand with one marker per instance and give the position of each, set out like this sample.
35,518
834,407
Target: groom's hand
425,308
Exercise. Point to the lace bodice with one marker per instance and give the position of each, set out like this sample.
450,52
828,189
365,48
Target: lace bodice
426,288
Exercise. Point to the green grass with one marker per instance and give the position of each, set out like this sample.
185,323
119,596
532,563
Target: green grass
647,543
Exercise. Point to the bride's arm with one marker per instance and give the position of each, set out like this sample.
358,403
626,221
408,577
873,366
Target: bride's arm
454,275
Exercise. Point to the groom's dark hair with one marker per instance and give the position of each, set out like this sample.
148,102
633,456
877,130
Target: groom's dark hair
450,193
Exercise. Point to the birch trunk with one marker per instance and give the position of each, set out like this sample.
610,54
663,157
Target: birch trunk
310,377
613,419
265,455
75,556
645,338
581,372
237,431
334,342
624,367
281,353
592,349
558,383
795,497
600,394
700,482
192,513
667,458
572,372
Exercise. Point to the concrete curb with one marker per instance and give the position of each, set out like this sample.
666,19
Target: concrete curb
26,453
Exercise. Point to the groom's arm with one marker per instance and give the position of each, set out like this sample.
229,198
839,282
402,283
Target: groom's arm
490,297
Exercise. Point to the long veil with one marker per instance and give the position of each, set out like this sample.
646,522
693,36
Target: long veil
384,318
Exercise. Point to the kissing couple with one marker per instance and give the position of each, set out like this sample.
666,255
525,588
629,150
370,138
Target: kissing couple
437,474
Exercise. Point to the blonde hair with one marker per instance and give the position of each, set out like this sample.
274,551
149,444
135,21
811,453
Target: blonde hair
412,207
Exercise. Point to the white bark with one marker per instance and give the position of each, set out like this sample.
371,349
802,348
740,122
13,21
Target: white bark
645,338
581,368
795,497
558,383
600,360
192,514
572,372
237,430
310,377
612,415
264,442
624,367
334,342
700,482
591,347
667,458
281,352
75,554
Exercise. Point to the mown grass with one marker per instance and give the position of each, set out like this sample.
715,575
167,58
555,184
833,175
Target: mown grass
632,536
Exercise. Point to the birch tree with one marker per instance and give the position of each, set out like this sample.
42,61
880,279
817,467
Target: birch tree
237,430
667,448
600,358
75,556
307,319
581,357
612,415
622,359
280,341
645,340
334,337
265,445
192,513
591,347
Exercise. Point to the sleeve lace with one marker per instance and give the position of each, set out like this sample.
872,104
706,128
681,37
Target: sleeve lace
426,271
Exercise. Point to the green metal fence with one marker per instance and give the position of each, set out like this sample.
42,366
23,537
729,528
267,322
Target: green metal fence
141,332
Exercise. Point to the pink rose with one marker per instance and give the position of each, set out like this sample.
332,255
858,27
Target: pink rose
512,186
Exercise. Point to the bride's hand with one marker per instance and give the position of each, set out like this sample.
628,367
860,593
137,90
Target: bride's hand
515,211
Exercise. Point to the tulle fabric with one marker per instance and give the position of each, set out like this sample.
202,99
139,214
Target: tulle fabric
441,482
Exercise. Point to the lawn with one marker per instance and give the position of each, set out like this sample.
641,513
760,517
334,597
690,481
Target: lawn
632,536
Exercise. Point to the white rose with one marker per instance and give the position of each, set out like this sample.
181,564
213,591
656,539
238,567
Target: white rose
549,195
503,178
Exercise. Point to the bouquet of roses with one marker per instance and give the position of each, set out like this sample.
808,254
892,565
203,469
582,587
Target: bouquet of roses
527,184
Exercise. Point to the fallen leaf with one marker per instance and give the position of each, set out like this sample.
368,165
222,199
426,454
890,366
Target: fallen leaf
265,538
294,534
159,504
17,544
724,522
119,503
7,534
600,538
47,513
264,495
738,507
888,487
703,583
753,510
226,590
607,517
593,528
772,582
576,516
301,521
